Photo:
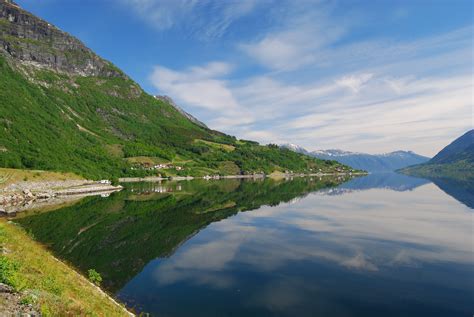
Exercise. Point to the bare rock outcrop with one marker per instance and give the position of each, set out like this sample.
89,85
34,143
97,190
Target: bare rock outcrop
29,40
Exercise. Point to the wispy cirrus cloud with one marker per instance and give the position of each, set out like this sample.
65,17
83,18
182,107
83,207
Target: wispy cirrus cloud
300,34
204,19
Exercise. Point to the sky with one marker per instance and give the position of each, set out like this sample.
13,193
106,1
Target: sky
366,76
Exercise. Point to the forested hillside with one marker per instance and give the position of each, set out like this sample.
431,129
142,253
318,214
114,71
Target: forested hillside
456,160
64,108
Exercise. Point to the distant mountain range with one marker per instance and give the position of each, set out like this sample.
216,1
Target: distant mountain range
375,163
454,161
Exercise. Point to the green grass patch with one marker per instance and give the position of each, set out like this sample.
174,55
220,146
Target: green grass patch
56,288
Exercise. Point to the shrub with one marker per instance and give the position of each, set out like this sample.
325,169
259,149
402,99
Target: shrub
94,277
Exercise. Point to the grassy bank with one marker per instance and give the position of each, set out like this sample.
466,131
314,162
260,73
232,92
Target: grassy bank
45,282
11,176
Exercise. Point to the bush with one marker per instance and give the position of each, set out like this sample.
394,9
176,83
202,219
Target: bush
115,181
95,277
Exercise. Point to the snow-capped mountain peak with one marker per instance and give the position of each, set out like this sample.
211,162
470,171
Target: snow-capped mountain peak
334,152
294,148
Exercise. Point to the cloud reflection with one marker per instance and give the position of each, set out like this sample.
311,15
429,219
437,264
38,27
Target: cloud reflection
362,231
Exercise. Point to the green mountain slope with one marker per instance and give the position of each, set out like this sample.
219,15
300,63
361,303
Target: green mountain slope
456,160
64,108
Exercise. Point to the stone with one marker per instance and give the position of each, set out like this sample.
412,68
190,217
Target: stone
4,288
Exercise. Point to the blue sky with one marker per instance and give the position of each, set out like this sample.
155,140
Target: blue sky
368,76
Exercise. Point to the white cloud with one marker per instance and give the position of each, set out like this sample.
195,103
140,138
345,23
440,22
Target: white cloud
202,87
161,14
197,86
354,82
280,51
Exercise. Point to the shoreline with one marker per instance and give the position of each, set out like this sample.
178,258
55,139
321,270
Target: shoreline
216,177
26,195
34,264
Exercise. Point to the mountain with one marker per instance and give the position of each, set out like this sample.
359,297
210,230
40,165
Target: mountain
65,108
295,148
456,160
375,163
460,149
190,117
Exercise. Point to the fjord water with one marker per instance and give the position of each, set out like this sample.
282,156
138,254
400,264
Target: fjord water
380,245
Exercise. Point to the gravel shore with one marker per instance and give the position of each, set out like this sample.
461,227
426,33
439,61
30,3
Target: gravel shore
26,195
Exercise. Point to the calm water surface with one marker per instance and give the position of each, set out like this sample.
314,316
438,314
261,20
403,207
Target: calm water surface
381,245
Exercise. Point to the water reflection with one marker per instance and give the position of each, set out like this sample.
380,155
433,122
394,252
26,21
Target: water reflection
461,190
303,251
158,217
392,181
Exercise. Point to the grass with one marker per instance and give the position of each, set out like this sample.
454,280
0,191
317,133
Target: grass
11,176
146,160
115,150
277,175
61,291
219,146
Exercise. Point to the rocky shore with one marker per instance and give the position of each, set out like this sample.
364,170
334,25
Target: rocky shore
12,304
25,195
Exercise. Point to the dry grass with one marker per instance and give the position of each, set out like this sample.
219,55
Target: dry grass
146,160
225,147
62,291
10,176
277,175
115,150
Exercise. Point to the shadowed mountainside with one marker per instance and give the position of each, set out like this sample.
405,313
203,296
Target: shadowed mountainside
455,161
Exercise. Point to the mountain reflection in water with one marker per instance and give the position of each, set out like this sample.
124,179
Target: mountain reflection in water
380,245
